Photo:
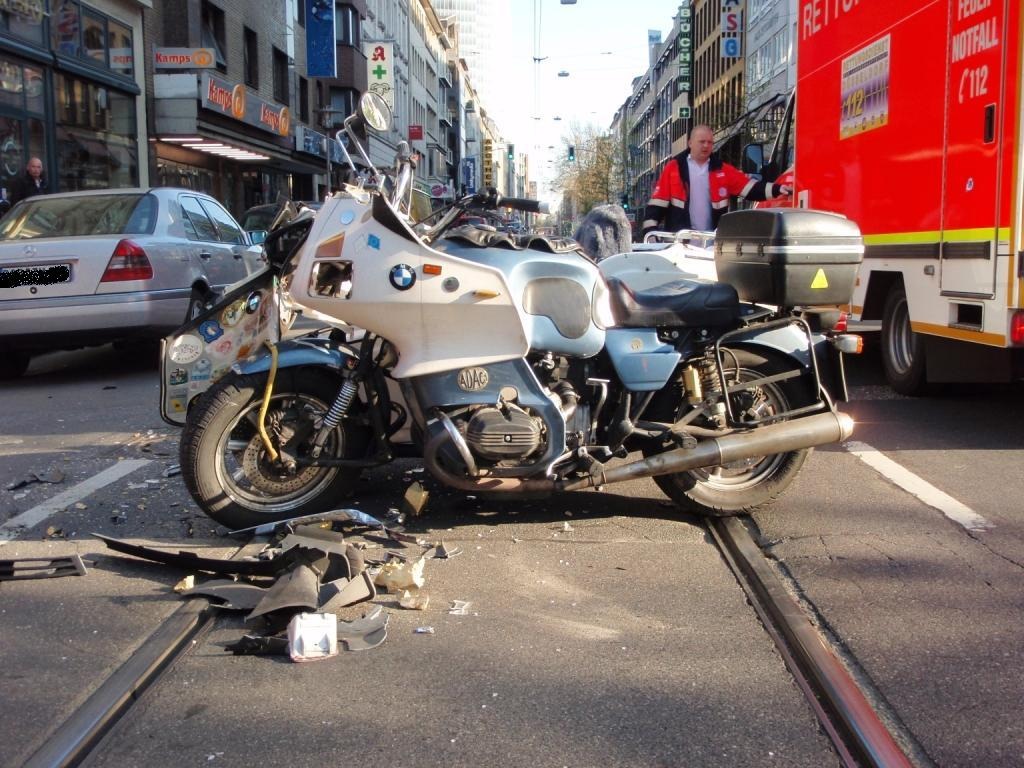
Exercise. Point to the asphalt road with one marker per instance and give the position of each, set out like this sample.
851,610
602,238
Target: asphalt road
623,641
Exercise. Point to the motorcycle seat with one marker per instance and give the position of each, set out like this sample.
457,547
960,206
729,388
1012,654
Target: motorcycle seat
680,303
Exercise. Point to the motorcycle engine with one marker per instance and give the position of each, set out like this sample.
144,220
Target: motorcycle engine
501,434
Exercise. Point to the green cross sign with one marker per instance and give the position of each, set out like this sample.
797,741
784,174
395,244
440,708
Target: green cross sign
379,72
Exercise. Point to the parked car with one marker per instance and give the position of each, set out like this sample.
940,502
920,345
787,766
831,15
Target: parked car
259,217
85,268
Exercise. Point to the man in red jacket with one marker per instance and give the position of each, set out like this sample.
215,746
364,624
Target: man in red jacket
696,187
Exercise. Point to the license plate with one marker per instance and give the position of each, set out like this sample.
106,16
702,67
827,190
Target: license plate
13,277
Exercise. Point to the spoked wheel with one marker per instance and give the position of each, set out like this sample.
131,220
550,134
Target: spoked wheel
743,486
227,468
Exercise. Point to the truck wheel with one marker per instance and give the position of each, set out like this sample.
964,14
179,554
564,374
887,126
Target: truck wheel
743,486
902,349
226,467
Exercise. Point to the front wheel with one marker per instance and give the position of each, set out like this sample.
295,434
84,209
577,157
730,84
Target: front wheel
224,461
743,486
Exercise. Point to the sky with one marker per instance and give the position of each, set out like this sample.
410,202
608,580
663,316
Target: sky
601,44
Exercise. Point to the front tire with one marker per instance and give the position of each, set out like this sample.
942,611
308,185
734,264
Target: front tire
744,486
226,467
902,349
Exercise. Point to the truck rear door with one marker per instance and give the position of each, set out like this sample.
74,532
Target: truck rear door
973,163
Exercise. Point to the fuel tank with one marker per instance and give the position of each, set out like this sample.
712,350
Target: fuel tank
561,294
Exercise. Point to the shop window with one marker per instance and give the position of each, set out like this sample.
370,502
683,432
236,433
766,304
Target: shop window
250,57
280,76
303,99
95,137
23,19
213,33
119,45
94,36
346,25
197,223
65,27
300,12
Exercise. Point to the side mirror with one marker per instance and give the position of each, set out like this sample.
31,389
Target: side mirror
257,236
753,158
374,111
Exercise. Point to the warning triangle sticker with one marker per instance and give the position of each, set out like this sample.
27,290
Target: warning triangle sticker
819,281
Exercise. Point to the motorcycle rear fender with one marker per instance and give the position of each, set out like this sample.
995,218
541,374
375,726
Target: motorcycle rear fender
309,352
791,342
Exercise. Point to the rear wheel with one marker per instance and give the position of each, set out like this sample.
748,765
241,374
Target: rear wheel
13,363
225,464
743,486
198,302
902,349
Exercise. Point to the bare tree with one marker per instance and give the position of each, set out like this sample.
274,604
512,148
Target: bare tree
594,174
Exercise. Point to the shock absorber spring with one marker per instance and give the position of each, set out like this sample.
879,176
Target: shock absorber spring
339,407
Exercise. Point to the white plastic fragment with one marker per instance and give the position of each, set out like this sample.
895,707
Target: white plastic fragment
313,636
424,630
459,608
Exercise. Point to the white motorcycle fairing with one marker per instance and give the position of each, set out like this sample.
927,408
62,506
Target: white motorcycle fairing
440,312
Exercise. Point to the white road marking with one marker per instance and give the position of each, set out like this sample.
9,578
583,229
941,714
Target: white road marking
38,513
914,485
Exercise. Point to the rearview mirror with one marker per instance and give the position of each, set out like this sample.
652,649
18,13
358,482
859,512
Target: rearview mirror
374,111
753,158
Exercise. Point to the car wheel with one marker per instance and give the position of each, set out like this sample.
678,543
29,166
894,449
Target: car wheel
13,363
198,302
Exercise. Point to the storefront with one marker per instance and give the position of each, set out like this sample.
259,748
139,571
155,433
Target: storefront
216,135
70,92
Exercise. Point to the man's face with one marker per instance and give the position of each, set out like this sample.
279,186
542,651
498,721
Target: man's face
35,168
701,143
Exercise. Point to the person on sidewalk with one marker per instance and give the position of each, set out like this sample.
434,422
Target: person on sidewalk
28,184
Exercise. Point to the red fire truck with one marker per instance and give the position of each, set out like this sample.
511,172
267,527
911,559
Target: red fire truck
907,118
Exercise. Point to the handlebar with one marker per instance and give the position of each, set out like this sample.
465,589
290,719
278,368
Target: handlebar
524,204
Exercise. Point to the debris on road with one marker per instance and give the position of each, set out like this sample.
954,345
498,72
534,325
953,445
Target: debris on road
441,552
414,599
423,631
51,476
396,575
365,633
414,499
313,636
185,584
41,568
459,608
173,470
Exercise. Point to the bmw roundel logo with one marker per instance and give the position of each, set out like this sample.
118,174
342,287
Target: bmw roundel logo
402,277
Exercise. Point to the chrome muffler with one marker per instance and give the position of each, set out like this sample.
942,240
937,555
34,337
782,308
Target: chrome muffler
795,435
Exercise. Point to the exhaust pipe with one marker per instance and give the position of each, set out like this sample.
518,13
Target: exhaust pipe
805,432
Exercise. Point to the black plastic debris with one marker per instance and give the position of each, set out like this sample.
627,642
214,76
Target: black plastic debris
41,568
192,561
231,595
365,633
259,645
296,591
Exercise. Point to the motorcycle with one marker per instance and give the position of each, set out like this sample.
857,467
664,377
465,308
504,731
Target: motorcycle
509,363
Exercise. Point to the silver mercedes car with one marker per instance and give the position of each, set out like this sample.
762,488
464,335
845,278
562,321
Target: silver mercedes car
85,268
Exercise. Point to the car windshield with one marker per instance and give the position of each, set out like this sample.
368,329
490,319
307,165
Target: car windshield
42,216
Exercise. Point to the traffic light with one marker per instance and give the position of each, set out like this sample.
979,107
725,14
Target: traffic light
625,202
511,151
572,154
